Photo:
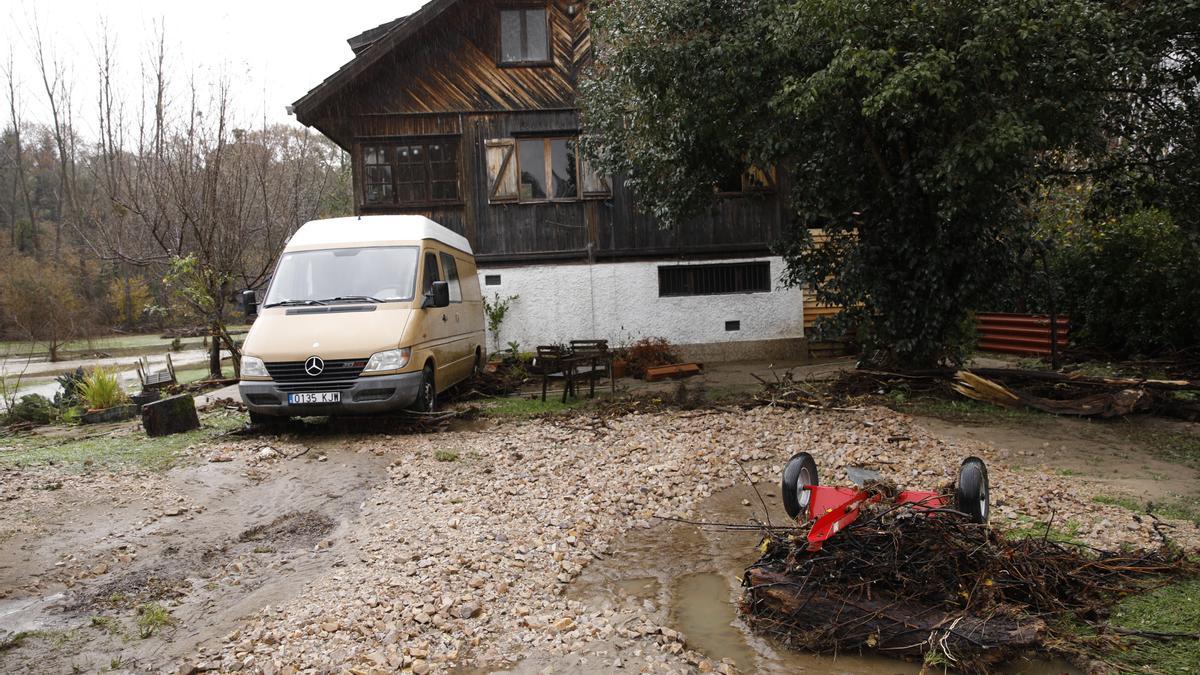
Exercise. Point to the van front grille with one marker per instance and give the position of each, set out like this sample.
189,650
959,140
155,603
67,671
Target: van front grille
293,371
316,385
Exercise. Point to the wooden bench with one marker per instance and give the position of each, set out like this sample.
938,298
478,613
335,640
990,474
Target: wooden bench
155,379
556,362
594,361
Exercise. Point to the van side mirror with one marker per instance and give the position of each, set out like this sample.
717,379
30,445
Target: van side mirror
438,295
249,303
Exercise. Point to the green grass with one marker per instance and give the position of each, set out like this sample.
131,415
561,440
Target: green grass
522,408
125,447
151,617
445,456
107,624
105,343
56,638
1122,501
1175,508
1028,528
189,375
1171,446
1171,609
961,410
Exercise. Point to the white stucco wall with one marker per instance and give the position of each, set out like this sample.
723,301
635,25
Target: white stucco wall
619,302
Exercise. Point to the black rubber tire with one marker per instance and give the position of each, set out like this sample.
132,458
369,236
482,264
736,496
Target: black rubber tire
427,397
972,494
801,470
266,421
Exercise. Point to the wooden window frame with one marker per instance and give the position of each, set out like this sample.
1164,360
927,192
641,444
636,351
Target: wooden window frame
548,168
392,145
747,188
523,9
389,163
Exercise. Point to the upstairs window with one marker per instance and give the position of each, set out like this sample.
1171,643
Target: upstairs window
541,170
377,175
410,173
549,169
743,178
524,36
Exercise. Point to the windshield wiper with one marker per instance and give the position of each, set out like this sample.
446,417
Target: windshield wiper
352,298
290,303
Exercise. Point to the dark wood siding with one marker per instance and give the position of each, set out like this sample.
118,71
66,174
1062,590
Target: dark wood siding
446,82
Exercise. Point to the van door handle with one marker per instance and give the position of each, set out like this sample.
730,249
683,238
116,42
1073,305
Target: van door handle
443,317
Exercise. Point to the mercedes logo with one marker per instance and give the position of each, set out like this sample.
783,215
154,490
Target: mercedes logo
314,366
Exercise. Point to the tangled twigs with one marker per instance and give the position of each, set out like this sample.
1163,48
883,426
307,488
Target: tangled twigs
906,583
788,392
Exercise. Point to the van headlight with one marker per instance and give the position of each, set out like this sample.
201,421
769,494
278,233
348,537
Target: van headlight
392,359
252,366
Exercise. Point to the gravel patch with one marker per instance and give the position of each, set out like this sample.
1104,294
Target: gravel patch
465,562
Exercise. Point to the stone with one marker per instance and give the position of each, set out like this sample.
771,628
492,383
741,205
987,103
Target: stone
171,415
468,610
329,626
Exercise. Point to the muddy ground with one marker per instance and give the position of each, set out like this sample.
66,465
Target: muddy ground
524,545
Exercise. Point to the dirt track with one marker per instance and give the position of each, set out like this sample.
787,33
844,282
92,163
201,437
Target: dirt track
431,551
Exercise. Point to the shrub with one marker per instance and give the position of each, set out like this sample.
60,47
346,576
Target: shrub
69,382
33,408
495,310
100,389
650,352
1132,283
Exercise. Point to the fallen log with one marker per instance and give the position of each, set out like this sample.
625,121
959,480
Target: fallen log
1105,404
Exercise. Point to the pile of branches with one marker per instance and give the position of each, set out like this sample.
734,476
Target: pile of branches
906,584
1048,391
500,379
1077,394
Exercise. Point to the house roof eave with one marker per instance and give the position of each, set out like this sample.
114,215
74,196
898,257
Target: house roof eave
306,105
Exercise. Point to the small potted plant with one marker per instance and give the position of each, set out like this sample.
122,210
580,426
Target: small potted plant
620,363
101,394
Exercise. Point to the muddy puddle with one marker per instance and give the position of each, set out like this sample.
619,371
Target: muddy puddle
690,579
245,537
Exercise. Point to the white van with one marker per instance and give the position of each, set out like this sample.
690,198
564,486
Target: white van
363,315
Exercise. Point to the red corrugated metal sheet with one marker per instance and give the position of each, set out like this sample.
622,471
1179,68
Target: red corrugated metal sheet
1018,333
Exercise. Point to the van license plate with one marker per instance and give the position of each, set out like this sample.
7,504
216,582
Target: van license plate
330,397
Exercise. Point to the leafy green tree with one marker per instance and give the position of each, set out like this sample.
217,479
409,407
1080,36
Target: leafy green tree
913,133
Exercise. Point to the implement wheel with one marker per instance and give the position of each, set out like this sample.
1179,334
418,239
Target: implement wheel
801,470
972,495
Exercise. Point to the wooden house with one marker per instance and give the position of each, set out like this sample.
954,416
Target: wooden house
465,112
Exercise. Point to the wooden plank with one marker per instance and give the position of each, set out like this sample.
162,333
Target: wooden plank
672,371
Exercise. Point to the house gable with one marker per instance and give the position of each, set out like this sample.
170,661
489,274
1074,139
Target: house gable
445,59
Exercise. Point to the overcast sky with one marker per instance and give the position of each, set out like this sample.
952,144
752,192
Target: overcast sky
273,51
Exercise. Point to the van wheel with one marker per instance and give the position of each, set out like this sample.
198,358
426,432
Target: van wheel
427,395
266,421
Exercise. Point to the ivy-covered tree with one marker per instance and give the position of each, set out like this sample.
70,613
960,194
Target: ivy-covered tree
913,133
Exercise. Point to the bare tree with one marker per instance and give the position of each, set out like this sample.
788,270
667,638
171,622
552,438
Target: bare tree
19,182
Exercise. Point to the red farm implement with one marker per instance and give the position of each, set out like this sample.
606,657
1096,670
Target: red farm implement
832,509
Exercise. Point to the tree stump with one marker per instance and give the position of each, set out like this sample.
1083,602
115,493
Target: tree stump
171,415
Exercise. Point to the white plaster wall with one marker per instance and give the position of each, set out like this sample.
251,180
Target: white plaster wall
619,302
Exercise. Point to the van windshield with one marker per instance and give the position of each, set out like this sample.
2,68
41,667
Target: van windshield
374,274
